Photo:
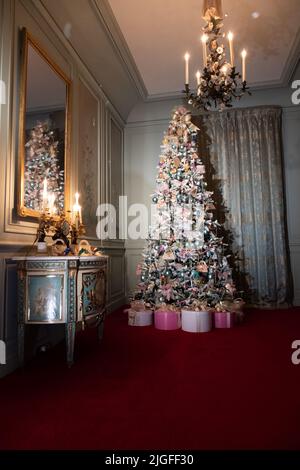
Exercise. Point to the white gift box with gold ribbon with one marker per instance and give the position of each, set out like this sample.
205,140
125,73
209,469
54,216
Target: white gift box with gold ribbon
196,321
140,317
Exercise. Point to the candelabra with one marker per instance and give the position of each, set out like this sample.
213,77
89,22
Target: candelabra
63,228
219,83
44,229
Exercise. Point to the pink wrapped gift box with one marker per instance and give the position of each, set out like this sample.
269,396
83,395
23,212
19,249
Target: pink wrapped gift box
140,318
196,322
224,319
167,320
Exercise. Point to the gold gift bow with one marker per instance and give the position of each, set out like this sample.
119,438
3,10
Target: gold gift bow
198,306
171,307
139,306
226,306
239,303
131,316
164,306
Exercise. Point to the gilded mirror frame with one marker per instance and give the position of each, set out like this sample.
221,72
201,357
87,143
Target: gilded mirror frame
26,40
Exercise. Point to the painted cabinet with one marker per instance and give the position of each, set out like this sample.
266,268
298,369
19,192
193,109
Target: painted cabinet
68,290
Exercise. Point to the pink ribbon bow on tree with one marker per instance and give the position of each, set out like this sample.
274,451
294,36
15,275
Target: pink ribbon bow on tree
167,291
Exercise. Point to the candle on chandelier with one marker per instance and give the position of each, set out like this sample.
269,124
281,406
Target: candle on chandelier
187,58
204,39
244,54
230,39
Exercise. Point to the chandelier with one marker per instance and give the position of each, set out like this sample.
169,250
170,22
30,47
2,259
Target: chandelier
220,82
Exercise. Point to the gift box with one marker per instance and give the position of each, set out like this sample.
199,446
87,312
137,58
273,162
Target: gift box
167,319
235,306
238,305
196,321
140,318
239,316
224,319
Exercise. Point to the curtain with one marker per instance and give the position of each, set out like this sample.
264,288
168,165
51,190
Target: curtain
242,151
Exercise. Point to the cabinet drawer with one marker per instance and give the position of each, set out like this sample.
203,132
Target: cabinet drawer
46,265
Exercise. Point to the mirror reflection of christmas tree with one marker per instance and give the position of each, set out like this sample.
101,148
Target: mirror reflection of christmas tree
186,262
42,161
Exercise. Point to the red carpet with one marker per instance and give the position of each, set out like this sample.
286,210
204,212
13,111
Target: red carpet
149,389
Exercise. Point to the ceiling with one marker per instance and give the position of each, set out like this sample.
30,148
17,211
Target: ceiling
158,33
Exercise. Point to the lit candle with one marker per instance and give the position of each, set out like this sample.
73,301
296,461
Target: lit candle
51,199
230,39
187,58
198,76
243,54
204,39
45,195
77,212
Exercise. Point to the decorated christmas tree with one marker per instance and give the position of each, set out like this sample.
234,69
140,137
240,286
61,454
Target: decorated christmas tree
185,262
42,161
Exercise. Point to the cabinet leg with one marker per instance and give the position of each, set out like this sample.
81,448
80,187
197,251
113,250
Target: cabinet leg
100,330
101,325
70,340
21,339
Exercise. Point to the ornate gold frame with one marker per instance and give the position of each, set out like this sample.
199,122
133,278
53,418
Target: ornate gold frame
26,39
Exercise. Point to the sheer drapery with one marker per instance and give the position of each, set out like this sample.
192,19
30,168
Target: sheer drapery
243,146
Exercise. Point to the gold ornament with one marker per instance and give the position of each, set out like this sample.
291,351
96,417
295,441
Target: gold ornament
188,118
176,162
202,267
168,255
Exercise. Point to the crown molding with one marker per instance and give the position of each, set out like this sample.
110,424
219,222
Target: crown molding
105,15
256,86
168,96
152,123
